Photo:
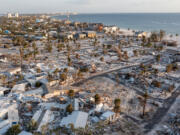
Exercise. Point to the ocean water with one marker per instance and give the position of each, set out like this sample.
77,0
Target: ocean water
170,22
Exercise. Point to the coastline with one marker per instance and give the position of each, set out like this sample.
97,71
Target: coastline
137,21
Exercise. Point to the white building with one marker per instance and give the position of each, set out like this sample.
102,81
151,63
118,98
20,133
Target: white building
15,71
16,15
25,133
13,115
77,118
37,92
48,117
3,90
76,104
37,115
111,29
4,129
4,123
10,15
4,106
19,88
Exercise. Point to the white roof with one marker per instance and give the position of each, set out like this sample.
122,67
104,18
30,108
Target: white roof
13,115
4,123
98,107
76,104
4,129
77,118
107,114
5,105
19,87
53,104
48,117
3,88
25,133
38,91
37,115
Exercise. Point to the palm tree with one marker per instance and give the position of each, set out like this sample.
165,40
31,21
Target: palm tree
14,130
56,71
169,68
117,107
48,47
21,53
154,37
32,126
118,50
158,57
97,99
4,78
44,129
77,56
72,127
161,34
145,96
117,102
69,61
135,52
69,108
71,93
35,50
125,55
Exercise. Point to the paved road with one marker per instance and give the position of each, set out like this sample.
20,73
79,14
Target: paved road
110,71
161,112
102,74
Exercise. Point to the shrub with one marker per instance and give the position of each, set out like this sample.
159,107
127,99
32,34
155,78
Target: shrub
156,83
69,108
169,68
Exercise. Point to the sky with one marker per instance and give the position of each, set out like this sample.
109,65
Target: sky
89,6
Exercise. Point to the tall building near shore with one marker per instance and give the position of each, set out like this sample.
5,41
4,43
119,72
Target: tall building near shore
10,15
17,15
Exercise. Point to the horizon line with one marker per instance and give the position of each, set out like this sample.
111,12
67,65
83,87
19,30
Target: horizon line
97,13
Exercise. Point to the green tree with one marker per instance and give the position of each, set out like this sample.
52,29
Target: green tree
145,96
117,107
169,68
14,130
117,102
71,93
69,108
97,99
135,52
32,126
161,34
102,59
158,57
63,77
125,55
154,37
35,50
21,53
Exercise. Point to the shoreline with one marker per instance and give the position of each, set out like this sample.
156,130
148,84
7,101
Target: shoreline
123,28
135,21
